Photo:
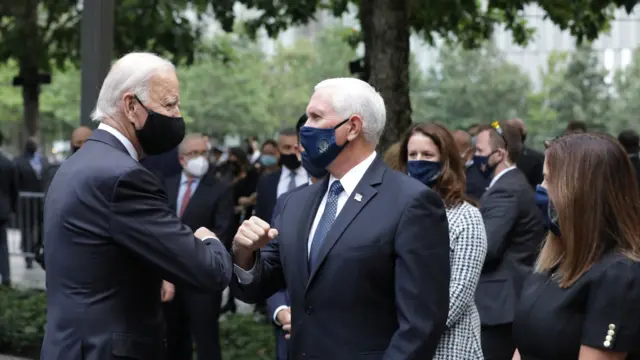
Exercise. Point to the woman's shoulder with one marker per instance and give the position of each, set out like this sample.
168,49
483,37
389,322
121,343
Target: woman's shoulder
615,265
464,214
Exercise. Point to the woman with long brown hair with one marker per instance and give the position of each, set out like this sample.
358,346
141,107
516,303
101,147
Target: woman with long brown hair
430,155
583,302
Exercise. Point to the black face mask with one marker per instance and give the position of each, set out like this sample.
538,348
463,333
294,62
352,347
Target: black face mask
30,148
160,133
290,161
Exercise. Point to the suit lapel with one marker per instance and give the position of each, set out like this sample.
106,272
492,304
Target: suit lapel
202,194
364,191
309,209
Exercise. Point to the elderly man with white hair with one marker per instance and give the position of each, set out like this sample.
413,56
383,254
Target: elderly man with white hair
364,253
110,235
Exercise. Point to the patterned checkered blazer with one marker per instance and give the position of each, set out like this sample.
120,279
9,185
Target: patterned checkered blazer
468,240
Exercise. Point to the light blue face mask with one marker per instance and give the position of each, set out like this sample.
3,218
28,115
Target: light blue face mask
268,160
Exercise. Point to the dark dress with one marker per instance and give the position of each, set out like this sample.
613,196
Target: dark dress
601,310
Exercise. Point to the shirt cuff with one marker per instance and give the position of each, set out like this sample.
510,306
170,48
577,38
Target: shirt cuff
275,314
211,238
244,277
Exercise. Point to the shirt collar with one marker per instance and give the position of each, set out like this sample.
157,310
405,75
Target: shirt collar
127,144
351,179
501,174
286,171
184,178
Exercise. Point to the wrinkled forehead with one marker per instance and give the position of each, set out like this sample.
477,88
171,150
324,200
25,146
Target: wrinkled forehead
164,86
196,143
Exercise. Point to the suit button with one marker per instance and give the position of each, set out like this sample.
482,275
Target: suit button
308,310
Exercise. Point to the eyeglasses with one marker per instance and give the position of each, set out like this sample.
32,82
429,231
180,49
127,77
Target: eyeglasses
197,153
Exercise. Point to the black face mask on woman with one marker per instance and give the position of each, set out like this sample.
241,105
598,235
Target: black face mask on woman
160,133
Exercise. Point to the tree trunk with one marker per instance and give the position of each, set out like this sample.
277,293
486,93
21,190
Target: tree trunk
29,70
386,34
31,105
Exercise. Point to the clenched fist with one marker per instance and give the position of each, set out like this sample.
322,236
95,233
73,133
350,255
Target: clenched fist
252,235
204,233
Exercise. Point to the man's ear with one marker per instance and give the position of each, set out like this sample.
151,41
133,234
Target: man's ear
356,127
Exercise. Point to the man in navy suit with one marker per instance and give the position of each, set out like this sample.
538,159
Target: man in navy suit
110,235
364,253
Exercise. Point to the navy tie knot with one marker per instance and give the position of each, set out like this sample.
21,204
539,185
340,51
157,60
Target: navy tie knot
336,188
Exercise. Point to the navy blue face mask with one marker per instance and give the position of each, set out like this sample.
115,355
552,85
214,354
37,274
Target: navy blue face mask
554,226
427,172
310,169
482,162
547,210
320,145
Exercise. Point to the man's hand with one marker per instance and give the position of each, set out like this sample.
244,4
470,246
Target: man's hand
252,235
167,292
284,318
204,233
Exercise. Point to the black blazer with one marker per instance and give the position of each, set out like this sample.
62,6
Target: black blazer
110,239
28,180
380,288
531,162
211,205
515,231
8,189
267,194
476,183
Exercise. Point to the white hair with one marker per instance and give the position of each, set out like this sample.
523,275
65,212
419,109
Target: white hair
351,96
131,72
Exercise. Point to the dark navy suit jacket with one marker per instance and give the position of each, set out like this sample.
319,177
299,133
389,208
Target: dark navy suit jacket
380,286
515,231
111,238
267,195
167,165
280,298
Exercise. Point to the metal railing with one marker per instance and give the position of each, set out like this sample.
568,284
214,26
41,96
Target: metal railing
27,224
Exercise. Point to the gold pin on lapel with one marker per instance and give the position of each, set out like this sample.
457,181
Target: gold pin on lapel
358,197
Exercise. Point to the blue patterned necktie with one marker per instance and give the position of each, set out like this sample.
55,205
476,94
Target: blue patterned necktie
292,181
326,220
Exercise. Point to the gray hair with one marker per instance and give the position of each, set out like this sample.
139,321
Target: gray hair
131,73
187,138
351,96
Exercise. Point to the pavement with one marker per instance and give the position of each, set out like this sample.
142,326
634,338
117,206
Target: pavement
34,278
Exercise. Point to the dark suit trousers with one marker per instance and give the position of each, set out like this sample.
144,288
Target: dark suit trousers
497,342
5,271
193,316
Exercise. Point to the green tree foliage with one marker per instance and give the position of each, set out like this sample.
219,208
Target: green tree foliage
387,24
471,86
582,94
231,88
626,108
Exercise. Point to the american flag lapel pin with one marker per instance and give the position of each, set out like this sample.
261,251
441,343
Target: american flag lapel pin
358,197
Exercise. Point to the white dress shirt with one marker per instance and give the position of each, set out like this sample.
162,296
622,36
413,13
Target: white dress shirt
301,178
182,189
127,144
501,174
